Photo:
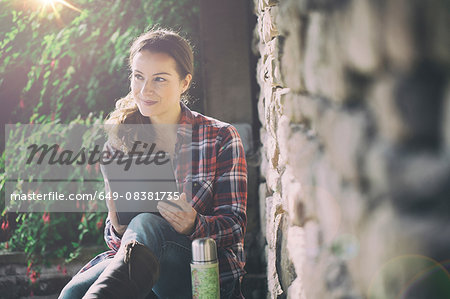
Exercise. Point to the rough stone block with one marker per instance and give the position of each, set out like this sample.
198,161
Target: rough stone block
274,211
283,133
272,151
344,135
272,179
285,267
292,63
418,179
261,110
260,72
264,4
360,35
376,165
296,245
262,208
338,280
273,109
328,210
292,59
291,106
269,29
278,93
273,48
381,240
446,119
409,178
266,70
270,218
322,65
263,154
419,97
388,120
353,205
271,2
302,153
302,109
293,194
270,111
274,216
296,289
289,14
313,243
272,276
438,21
410,247
401,47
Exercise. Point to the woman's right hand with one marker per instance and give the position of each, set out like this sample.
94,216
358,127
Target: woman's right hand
119,228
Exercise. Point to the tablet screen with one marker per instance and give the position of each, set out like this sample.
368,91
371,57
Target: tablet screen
139,182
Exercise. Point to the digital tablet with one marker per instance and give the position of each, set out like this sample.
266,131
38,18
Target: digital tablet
139,182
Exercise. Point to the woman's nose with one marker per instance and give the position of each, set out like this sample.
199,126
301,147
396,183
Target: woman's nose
147,88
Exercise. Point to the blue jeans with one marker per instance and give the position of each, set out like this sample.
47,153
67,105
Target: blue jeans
172,249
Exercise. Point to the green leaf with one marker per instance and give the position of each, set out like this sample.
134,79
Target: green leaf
114,36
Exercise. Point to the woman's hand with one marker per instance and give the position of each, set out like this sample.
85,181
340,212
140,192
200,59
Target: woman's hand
119,228
182,218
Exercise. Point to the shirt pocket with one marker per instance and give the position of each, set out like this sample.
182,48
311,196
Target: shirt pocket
200,194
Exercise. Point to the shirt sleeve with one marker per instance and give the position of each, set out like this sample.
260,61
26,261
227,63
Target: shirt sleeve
112,238
227,224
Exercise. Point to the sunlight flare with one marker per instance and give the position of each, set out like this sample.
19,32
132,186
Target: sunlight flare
52,4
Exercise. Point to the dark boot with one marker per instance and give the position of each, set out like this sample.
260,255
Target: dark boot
132,276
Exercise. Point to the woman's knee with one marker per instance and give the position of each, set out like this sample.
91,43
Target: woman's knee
144,220
80,283
148,229
75,289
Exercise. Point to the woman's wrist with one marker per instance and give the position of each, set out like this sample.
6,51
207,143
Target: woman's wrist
116,232
196,220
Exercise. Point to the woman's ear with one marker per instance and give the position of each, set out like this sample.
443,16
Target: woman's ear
185,83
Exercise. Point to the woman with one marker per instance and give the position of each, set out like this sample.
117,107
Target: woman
154,252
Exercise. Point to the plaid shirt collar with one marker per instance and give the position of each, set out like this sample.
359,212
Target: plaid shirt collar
186,115
185,124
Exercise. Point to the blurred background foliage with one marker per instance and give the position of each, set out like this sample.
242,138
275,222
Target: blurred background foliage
66,65
77,63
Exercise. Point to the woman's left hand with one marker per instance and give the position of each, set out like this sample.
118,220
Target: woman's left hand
182,219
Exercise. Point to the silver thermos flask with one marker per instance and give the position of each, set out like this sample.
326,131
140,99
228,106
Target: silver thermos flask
205,269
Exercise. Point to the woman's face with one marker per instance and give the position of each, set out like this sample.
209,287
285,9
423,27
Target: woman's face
157,87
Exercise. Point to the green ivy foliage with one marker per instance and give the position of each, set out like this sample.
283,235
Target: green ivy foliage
47,236
78,63
65,67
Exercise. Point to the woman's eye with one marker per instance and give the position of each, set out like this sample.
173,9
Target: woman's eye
160,79
139,77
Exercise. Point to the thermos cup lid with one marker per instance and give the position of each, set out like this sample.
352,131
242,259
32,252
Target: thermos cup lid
204,250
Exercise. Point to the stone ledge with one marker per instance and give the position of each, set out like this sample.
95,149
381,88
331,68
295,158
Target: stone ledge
17,257
15,283
12,257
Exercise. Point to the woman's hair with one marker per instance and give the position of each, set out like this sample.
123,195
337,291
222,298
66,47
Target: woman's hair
157,41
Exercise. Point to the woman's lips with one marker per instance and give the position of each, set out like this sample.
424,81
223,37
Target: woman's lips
149,103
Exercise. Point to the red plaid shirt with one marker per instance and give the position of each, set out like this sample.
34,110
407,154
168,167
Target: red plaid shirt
219,191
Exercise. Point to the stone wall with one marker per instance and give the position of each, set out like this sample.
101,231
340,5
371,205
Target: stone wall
355,113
